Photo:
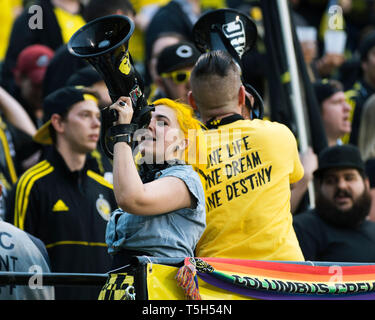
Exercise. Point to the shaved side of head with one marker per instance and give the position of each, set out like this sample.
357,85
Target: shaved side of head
215,83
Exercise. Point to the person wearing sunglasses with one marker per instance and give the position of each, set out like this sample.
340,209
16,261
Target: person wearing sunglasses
173,67
178,76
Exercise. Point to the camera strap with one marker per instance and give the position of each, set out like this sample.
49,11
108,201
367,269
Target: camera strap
148,172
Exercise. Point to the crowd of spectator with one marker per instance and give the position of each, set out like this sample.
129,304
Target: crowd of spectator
58,188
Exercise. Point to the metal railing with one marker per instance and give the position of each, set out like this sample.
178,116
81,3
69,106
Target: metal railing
54,278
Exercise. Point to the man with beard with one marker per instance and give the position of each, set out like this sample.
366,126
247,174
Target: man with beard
337,229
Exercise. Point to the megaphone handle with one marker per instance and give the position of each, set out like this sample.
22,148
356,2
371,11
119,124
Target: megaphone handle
104,146
228,46
237,58
113,115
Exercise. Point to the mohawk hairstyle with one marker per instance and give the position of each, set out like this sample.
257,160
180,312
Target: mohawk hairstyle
215,62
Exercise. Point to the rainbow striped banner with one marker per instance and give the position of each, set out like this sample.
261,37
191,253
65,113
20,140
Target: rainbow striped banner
286,280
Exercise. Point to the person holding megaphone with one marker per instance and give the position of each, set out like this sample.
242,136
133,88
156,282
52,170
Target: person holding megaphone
161,213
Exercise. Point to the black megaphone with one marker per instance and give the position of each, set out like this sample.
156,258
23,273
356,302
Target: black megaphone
103,42
232,31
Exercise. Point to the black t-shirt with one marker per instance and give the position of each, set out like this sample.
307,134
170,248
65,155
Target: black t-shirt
321,241
61,67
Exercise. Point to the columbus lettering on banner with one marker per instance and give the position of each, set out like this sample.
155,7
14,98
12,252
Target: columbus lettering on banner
297,287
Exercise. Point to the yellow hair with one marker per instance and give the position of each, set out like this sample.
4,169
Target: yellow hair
184,113
189,124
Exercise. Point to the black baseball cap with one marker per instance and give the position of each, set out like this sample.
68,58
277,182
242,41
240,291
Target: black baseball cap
59,102
326,88
86,76
178,56
339,157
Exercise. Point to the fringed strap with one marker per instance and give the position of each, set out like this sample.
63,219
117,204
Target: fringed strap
187,279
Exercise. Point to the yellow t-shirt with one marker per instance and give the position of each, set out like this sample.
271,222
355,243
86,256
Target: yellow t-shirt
250,166
69,23
137,40
8,11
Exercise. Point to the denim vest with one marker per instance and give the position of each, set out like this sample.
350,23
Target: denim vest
173,234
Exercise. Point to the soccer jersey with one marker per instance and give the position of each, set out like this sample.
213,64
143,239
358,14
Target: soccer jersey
322,241
68,211
250,166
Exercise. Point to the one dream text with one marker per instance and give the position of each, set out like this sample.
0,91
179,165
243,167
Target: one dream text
236,166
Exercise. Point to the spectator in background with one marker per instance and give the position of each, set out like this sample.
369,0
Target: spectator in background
337,229
318,65
97,8
174,67
309,162
9,11
365,86
14,114
27,254
177,16
65,64
334,110
29,73
145,10
61,200
16,130
89,77
307,36
366,145
52,23
163,40
335,113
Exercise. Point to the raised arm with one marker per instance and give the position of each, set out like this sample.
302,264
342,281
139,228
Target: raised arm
309,161
159,196
15,113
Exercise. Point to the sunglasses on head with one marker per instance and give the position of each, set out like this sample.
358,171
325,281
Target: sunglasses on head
178,77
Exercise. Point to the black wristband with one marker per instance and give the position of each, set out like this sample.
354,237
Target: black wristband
122,138
123,129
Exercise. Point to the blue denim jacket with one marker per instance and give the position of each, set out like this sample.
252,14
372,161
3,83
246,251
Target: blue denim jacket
173,234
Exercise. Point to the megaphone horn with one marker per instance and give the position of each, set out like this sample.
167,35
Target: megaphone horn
103,42
239,30
232,31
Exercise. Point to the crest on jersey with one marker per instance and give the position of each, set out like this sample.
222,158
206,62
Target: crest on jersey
103,207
